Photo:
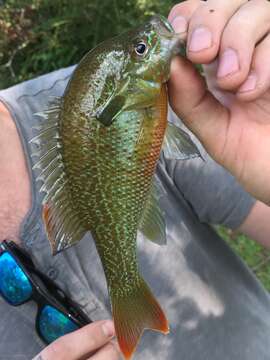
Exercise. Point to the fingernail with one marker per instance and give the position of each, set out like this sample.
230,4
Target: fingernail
108,329
201,39
249,84
179,24
228,64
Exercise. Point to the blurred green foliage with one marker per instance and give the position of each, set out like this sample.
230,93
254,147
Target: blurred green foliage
38,36
253,254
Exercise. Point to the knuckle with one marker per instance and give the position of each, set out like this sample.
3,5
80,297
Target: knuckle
241,22
57,350
95,337
92,341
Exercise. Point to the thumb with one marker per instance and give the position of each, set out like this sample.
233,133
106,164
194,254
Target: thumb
200,111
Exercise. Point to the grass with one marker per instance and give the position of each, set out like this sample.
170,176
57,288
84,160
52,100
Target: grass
257,257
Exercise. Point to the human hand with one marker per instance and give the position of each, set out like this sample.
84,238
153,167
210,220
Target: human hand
92,342
230,111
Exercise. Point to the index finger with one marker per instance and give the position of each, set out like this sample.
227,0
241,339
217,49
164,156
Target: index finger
206,23
180,15
80,343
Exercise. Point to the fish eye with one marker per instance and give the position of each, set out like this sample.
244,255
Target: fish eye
141,48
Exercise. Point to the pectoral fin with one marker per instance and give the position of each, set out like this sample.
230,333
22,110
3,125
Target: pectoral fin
177,144
111,110
153,224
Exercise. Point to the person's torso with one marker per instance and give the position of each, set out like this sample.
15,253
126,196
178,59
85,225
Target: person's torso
216,308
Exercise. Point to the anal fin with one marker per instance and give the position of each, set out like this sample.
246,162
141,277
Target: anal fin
178,144
153,224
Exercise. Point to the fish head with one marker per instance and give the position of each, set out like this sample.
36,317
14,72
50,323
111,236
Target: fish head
150,49
124,72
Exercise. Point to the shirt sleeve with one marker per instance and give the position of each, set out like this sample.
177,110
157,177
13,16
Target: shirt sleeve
34,95
213,193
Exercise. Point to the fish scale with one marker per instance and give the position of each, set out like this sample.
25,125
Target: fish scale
98,151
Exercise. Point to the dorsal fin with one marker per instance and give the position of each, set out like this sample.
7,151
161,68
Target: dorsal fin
63,224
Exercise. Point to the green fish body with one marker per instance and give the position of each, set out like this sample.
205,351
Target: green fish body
99,150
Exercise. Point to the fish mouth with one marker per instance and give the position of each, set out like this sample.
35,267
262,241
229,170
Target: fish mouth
166,32
164,27
162,24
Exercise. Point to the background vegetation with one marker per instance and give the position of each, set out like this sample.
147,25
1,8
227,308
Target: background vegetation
38,36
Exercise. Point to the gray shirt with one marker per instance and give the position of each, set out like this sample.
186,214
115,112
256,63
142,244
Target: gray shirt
217,309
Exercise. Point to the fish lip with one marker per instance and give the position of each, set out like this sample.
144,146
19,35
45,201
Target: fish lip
166,31
161,22
173,44
164,27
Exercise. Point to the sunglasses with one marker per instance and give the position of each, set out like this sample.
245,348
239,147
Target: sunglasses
21,281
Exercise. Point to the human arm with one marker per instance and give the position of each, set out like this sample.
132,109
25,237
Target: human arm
224,202
18,105
14,175
216,197
231,119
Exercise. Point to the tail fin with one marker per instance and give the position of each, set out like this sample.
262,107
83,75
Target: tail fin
133,313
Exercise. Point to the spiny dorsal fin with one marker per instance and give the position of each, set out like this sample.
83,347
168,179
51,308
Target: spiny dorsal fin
63,224
178,145
153,224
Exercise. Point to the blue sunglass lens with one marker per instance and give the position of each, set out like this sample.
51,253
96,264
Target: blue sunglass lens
14,284
53,324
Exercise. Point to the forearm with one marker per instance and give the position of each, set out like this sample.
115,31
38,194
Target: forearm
257,224
23,101
15,195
